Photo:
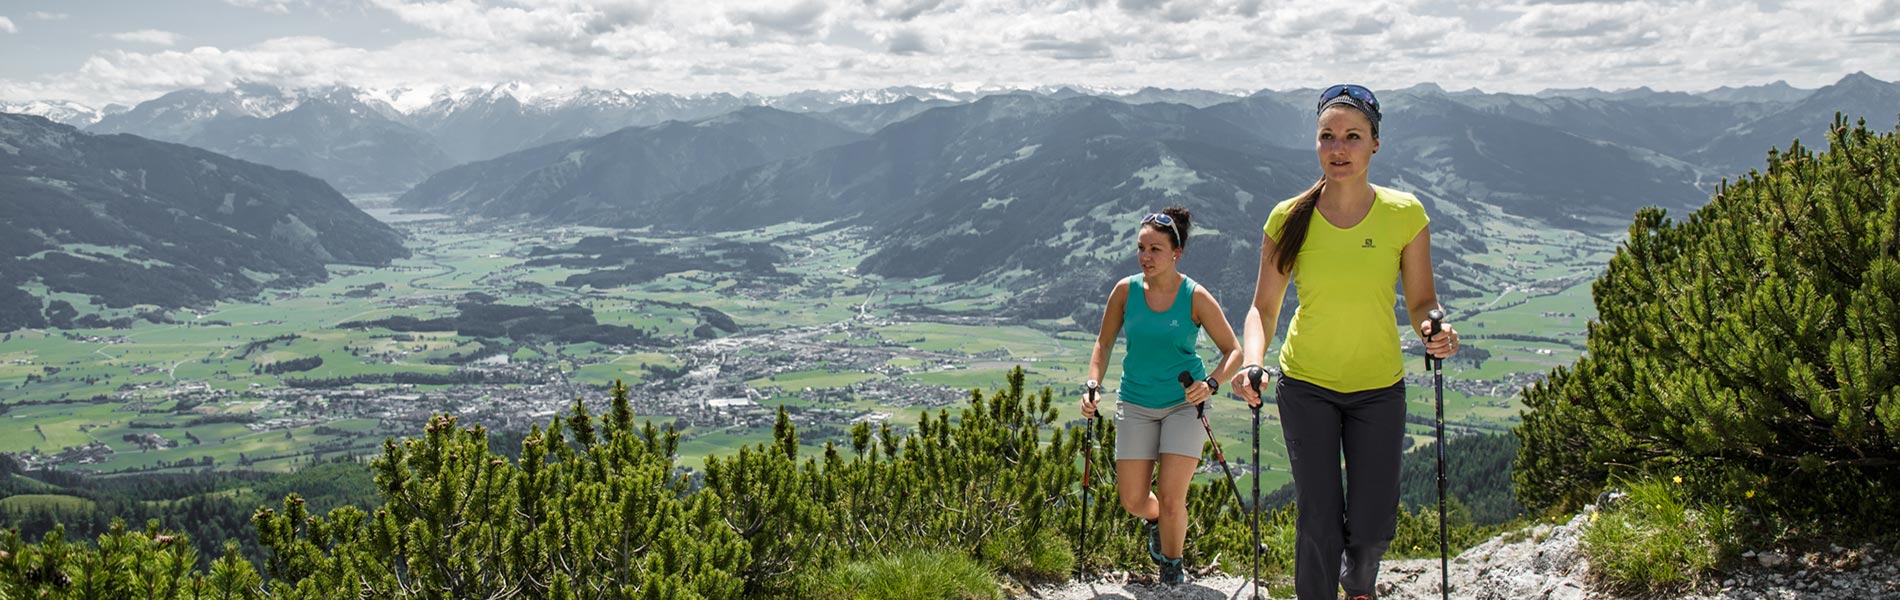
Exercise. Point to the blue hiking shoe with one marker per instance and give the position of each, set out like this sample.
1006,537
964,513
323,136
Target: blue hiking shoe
1154,541
1171,572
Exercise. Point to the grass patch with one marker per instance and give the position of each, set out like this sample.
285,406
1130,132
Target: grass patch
909,575
815,379
45,502
1655,540
1045,556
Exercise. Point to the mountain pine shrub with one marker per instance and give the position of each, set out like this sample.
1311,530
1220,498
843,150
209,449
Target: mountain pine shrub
1755,345
595,508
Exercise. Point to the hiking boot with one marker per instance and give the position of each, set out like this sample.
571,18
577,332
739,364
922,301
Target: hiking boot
1154,541
1171,572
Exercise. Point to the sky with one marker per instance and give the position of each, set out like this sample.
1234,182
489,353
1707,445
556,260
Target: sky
126,51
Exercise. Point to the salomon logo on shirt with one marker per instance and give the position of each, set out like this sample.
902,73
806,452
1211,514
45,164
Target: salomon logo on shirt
1368,243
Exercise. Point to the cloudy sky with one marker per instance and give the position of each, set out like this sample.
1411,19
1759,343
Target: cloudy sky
125,51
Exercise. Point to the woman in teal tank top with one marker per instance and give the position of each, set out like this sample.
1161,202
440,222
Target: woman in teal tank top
1162,313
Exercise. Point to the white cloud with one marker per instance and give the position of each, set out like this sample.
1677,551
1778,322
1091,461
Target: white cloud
800,18
909,41
275,6
902,10
146,36
6,25
577,26
48,16
774,46
1082,49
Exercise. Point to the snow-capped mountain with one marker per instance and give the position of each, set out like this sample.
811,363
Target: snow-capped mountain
355,139
64,112
829,100
177,116
482,123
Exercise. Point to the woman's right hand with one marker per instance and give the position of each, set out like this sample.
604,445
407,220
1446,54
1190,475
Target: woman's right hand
1091,395
1243,385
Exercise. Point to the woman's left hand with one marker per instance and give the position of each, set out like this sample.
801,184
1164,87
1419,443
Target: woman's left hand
1198,393
1442,345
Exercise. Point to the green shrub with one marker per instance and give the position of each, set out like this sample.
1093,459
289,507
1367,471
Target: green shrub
1753,344
1655,539
909,575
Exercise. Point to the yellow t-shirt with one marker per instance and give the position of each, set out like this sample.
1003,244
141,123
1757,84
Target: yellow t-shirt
1345,335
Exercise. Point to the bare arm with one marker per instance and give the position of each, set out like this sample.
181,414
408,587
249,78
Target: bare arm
1111,329
1421,294
1105,341
1208,314
1263,317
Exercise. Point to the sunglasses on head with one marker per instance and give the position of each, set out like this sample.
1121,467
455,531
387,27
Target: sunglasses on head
1165,221
1355,92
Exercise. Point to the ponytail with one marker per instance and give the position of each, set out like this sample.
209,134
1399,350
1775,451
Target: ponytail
1286,247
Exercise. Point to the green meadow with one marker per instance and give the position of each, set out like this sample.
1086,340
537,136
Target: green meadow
69,388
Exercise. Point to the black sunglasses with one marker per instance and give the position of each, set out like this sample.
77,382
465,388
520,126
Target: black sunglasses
1355,92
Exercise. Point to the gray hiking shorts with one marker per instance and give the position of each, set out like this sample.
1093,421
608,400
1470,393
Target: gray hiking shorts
1143,433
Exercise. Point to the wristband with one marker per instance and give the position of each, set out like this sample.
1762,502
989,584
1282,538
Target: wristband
1213,385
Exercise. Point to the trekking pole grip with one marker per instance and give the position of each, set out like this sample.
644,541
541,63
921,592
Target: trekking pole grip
1187,380
1091,389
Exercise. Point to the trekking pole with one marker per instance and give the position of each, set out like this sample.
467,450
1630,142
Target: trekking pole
1200,410
1437,367
1088,464
1253,377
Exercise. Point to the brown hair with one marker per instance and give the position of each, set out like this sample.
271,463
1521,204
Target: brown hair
1286,246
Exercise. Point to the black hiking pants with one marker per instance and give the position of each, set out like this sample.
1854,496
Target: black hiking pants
1342,533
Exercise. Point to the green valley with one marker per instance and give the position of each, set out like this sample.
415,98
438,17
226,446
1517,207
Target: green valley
486,321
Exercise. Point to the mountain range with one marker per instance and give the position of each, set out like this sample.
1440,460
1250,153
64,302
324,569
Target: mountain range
623,175
1027,187
123,221
992,189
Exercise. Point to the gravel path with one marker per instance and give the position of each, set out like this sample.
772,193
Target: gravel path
1544,563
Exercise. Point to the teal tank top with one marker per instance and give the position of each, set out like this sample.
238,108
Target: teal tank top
1160,347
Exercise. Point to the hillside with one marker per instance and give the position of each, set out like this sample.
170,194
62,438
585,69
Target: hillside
622,176
1743,145
339,140
131,221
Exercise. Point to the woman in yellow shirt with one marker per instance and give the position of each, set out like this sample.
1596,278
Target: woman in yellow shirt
1343,242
